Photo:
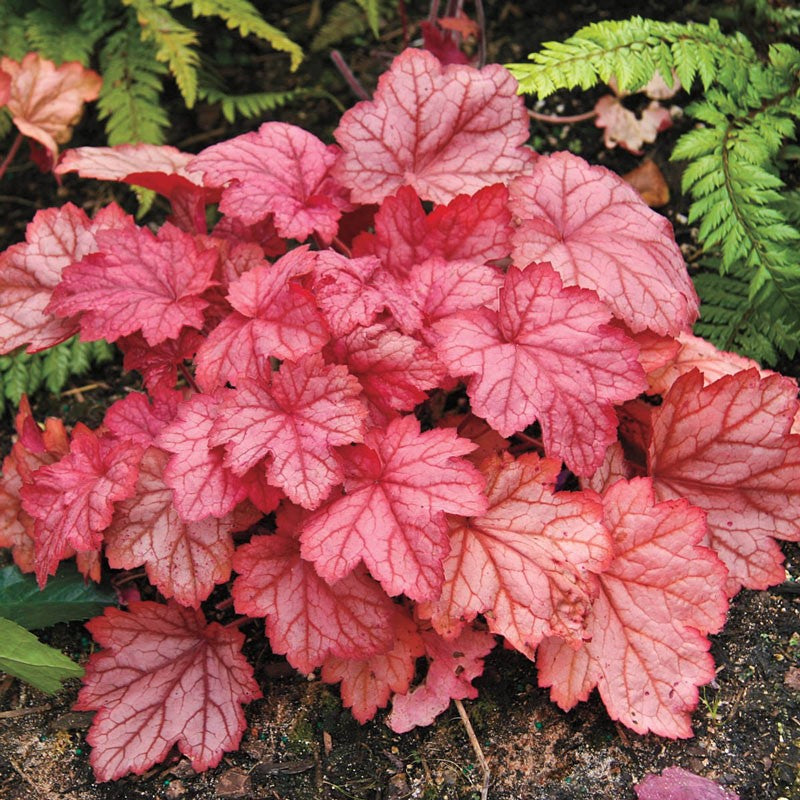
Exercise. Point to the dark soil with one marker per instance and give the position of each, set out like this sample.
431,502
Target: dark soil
301,744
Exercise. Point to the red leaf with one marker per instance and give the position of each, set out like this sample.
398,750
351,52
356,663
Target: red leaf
308,619
474,228
281,170
525,562
29,271
159,365
73,500
675,783
396,487
34,448
184,560
368,684
597,233
273,317
453,666
166,677
441,45
46,101
394,370
202,485
444,131
645,650
262,233
306,409
726,448
545,355
138,282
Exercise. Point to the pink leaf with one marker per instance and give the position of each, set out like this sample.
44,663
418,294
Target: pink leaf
308,619
453,666
202,486
281,170
367,684
160,168
344,291
645,651
726,448
394,370
184,560
621,126
444,131
138,282
56,238
597,233
273,317
262,233
306,409
473,228
73,500
546,355
396,487
166,677
46,101
134,419
693,352
675,783
525,562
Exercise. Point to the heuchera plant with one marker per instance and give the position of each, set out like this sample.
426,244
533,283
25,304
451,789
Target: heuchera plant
298,360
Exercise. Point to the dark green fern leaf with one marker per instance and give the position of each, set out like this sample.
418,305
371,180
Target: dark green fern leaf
132,82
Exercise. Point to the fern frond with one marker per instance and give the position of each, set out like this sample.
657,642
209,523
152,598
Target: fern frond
372,10
174,44
13,42
251,105
132,82
241,15
632,51
6,123
56,33
344,21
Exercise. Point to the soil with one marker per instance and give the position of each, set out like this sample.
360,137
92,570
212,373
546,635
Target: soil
301,744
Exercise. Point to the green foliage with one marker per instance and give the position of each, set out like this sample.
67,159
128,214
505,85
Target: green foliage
349,19
66,597
138,44
746,217
25,657
25,373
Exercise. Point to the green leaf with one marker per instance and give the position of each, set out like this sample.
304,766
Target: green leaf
66,597
25,657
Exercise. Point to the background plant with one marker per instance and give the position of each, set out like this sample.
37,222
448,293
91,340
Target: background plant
737,156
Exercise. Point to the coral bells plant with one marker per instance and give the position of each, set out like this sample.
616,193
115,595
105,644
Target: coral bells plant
368,388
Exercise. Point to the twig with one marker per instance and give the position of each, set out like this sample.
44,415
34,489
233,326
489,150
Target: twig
473,740
554,119
11,153
22,712
78,390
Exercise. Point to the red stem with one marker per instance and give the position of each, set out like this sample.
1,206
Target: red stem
556,120
188,377
339,245
11,153
348,75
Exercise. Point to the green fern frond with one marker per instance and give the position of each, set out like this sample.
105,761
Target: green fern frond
25,373
13,42
632,51
344,21
241,15
372,9
132,82
6,123
251,105
56,33
174,44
